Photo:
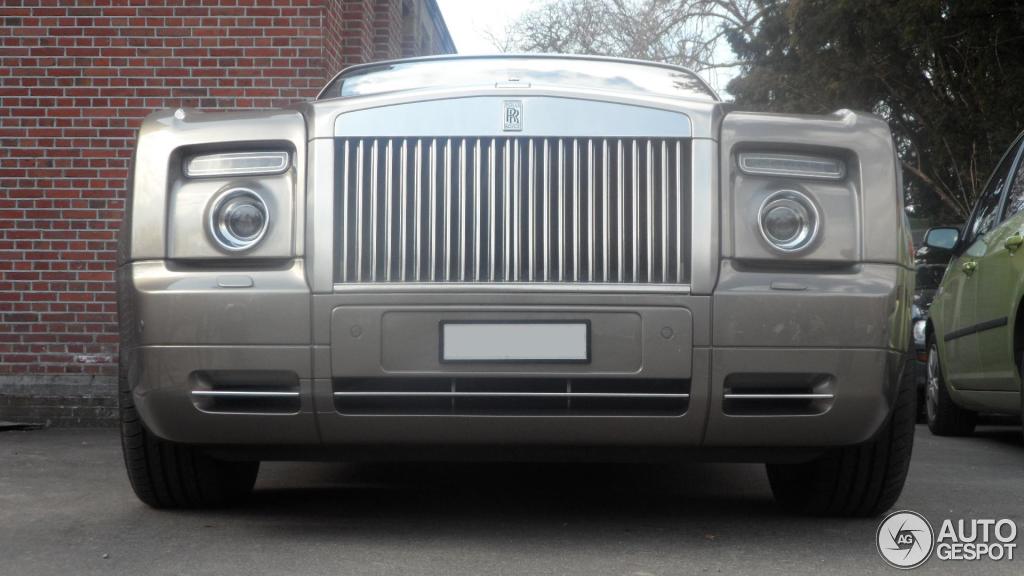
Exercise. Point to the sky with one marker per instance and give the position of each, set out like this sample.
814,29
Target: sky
469,21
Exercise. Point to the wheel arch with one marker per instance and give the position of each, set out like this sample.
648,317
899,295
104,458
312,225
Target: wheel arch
930,336
1018,334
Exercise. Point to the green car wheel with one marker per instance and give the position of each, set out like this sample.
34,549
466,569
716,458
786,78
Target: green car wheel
945,418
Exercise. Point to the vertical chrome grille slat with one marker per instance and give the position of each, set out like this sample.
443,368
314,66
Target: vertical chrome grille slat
387,212
605,212
636,211
575,210
344,215
591,210
403,219
621,230
359,211
512,209
506,211
463,200
516,210
547,214
561,211
374,196
664,191
447,210
649,221
679,212
477,209
531,191
666,233
418,210
491,218
432,218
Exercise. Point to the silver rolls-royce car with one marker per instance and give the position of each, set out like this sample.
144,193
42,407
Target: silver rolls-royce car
516,257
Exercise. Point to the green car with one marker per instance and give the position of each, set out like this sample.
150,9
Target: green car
976,331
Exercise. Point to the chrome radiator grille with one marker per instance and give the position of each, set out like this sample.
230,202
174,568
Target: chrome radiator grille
520,210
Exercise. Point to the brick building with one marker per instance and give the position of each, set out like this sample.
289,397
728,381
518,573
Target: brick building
76,77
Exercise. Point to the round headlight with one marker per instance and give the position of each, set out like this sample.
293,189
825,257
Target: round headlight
788,220
238,219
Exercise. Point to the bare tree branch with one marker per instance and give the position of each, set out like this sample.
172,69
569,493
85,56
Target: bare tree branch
940,190
684,32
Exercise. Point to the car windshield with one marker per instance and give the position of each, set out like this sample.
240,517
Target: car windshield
519,72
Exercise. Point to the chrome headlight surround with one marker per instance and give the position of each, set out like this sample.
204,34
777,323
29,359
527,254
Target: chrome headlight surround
224,206
799,206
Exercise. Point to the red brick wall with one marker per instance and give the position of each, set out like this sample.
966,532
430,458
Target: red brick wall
76,77
387,29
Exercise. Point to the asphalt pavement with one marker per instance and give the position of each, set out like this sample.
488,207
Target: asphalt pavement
66,508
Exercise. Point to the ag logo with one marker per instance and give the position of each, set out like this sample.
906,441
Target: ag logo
512,116
905,539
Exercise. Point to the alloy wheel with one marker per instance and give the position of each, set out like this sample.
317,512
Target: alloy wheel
931,392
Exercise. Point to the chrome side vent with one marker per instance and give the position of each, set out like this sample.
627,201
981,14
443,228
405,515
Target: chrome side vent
777,394
511,396
512,210
246,391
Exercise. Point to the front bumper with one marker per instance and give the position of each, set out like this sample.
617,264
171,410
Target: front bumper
835,332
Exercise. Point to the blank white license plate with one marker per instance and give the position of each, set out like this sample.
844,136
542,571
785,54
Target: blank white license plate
515,341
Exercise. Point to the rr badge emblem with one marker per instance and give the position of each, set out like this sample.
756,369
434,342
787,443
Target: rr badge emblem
512,116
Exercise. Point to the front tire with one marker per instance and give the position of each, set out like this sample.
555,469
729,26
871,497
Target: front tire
168,475
164,474
853,481
944,417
